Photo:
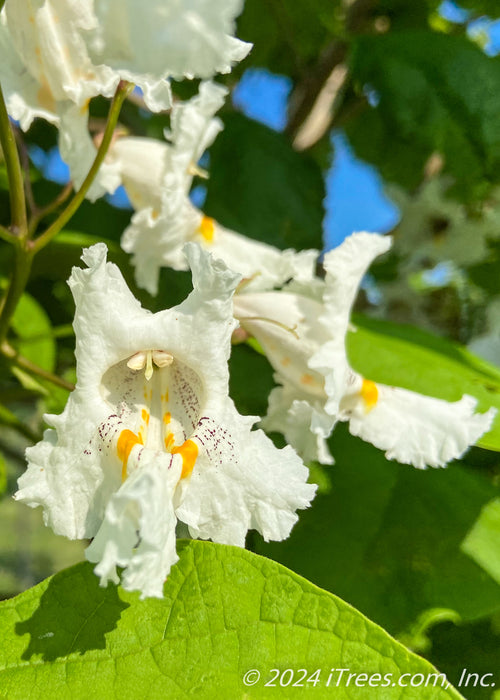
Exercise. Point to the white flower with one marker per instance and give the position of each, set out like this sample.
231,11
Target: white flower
318,387
58,54
150,41
47,72
149,436
158,184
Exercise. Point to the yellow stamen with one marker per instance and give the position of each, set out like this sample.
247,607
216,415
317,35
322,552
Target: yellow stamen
126,442
145,416
167,417
207,228
369,394
189,452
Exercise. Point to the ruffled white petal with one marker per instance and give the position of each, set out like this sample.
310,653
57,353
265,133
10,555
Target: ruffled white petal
194,129
245,483
157,241
49,37
25,97
416,429
78,151
138,529
345,267
303,422
158,39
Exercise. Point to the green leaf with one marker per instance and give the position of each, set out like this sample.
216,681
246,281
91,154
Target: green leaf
387,537
56,261
405,356
482,7
292,35
435,92
261,187
482,541
473,648
250,397
33,329
3,475
226,611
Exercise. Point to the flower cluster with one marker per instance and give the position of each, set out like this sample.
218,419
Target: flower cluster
150,438
58,54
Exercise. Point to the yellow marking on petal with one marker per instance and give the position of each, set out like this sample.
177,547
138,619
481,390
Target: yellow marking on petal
126,442
45,97
369,394
307,379
145,416
189,452
167,417
285,361
84,107
207,228
169,441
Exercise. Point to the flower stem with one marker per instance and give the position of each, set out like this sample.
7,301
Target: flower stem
25,249
19,224
6,235
23,258
24,363
121,93
40,214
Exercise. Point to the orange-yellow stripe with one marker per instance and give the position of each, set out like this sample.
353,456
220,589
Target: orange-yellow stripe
369,394
189,453
207,228
126,442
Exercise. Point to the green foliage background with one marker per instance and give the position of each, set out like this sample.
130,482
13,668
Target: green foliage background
417,552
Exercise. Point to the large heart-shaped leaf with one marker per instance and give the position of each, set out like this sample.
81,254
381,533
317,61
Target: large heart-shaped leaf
226,612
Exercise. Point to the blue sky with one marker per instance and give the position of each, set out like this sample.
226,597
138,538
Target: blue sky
355,200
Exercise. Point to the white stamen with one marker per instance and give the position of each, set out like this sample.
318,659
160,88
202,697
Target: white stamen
161,358
149,365
145,358
137,361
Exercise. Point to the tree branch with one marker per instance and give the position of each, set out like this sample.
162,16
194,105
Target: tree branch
307,91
